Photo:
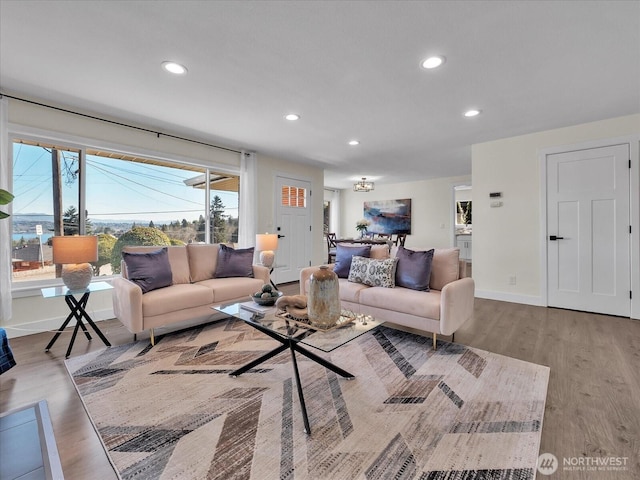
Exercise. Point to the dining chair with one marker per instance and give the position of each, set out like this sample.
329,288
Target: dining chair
332,247
400,239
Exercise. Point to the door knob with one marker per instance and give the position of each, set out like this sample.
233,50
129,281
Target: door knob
553,237
280,236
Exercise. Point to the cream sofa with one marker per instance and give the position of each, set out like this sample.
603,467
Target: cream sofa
193,292
443,309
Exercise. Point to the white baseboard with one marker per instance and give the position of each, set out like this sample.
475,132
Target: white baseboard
510,297
52,324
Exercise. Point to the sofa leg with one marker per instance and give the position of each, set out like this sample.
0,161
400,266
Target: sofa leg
435,339
453,336
135,337
153,338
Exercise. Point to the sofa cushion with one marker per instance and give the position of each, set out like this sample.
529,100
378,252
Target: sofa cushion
444,267
350,291
149,270
414,268
404,300
344,253
179,262
234,262
373,272
203,259
225,289
379,251
175,298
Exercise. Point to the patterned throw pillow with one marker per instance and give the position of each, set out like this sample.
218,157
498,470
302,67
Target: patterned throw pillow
373,272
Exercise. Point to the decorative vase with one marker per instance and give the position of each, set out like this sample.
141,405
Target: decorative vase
323,303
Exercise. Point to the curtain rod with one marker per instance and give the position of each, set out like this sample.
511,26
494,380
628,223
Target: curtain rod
119,123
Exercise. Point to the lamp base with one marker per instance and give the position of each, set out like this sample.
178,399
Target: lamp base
77,276
266,258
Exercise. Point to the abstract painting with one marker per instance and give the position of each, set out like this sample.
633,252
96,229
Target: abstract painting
389,216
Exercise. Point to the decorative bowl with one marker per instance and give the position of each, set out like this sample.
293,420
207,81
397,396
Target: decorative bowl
266,302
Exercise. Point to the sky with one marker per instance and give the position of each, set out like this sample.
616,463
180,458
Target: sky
115,190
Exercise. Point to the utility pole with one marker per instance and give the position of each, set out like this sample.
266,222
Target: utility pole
58,227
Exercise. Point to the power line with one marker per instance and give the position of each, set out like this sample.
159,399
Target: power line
143,185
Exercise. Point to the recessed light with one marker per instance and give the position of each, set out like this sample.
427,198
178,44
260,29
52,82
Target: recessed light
174,68
353,143
292,117
433,62
472,113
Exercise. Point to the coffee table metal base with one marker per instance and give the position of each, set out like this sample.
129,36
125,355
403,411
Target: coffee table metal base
293,345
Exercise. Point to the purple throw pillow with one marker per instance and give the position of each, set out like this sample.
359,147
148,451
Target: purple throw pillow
344,254
150,270
414,269
234,263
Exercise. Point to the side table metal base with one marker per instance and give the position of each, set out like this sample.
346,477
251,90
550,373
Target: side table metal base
78,311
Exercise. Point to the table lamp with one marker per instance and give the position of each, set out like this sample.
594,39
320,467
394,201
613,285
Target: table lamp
74,253
266,243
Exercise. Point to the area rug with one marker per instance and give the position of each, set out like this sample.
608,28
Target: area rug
173,412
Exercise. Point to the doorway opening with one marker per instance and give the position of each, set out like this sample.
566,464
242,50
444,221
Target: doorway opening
462,213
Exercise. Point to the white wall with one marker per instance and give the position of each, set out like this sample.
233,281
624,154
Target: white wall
507,240
431,209
32,313
36,117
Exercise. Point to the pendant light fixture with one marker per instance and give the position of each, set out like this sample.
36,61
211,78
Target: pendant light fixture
363,185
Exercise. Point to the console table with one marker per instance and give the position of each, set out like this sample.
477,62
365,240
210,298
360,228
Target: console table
78,311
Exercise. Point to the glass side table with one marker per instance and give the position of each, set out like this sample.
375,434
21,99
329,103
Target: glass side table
78,311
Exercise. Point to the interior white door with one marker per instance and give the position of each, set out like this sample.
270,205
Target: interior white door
588,220
293,225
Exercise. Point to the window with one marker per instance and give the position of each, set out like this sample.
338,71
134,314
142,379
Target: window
294,196
65,191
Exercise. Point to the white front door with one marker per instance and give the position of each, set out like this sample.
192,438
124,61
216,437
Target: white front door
588,261
293,225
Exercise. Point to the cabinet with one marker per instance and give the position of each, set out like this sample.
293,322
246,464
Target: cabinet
463,242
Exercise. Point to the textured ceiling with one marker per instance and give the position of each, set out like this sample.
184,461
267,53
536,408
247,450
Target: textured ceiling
350,69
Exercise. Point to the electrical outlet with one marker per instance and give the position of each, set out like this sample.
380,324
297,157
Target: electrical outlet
512,279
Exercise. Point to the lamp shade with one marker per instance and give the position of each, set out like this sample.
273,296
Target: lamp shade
266,241
75,249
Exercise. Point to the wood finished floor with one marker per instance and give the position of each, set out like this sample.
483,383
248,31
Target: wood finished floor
593,401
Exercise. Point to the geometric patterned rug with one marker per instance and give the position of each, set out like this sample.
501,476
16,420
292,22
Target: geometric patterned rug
172,412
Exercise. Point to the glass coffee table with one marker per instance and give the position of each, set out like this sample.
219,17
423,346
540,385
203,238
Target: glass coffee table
295,336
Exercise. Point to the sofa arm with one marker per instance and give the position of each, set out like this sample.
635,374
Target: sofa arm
262,273
127,304
456,304
305,274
